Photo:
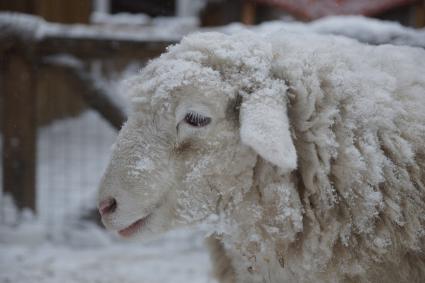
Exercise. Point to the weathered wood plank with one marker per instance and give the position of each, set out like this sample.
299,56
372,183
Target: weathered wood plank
80,82
248,13
64,11
19,130
98,48
420,14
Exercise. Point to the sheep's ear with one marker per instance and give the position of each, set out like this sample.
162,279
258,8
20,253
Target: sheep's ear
265,128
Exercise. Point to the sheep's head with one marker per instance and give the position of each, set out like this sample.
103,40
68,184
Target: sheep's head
201,115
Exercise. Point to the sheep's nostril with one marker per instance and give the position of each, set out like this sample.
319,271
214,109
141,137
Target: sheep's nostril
107,206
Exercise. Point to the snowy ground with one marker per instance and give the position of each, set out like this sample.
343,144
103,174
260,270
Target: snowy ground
57,246
177,257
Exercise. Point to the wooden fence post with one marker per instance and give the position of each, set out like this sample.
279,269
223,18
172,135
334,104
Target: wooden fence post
248,13
19,129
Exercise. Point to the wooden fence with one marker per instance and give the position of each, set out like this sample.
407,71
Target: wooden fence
23,52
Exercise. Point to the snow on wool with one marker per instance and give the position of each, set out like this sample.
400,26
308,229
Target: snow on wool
308,166
363,29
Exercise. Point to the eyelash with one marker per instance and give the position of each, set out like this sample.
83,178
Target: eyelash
196,120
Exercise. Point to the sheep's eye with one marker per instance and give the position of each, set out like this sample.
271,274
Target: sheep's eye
196,120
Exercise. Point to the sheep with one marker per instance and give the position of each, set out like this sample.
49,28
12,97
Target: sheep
301,154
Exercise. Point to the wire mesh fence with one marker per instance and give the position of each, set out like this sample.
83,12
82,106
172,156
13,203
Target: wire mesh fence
72,150
73,142
72,153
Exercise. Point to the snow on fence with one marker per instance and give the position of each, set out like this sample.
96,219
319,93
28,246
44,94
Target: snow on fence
53,165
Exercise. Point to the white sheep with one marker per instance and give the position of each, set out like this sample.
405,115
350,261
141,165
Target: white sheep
304,154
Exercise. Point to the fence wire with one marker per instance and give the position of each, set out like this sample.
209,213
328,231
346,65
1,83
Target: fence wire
72,154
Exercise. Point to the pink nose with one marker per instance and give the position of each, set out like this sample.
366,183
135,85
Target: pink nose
107,206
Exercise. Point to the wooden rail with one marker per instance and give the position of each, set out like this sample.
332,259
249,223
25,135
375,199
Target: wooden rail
101,48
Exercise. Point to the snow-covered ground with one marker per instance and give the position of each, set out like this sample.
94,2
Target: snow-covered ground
58,246
176,257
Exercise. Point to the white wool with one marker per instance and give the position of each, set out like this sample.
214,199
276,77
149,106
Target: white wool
363,29
310,169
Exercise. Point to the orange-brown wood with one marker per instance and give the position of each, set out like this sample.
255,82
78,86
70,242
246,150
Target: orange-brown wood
420,15
248,13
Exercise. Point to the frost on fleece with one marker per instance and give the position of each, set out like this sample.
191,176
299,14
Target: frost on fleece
331,187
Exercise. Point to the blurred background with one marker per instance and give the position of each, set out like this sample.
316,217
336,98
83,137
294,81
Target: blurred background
62,104
218,12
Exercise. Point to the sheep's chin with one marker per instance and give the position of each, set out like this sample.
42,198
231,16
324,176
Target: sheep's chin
134,228
153,224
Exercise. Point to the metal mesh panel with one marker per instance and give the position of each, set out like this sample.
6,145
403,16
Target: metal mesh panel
72,155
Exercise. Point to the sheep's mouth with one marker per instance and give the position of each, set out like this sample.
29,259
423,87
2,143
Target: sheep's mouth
134,227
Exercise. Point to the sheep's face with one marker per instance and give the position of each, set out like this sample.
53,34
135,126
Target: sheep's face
186,150
172,164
